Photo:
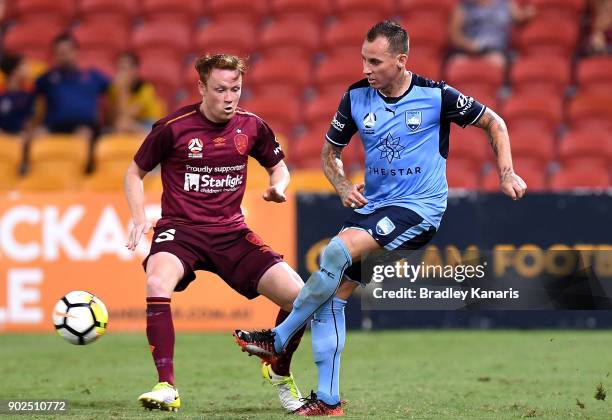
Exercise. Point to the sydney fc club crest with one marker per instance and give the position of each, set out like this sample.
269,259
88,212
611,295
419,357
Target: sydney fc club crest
413,120
385,226
241,141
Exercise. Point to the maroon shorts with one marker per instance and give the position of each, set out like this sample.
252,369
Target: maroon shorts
238,255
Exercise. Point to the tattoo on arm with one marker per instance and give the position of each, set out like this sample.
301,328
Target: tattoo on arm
497,133
333,167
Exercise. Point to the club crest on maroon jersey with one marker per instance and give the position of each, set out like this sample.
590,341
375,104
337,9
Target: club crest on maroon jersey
254,238
241,141
195,147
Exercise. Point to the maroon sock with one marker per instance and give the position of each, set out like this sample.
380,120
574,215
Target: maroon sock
160,332
282,364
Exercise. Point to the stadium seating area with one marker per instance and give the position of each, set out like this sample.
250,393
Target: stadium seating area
303,54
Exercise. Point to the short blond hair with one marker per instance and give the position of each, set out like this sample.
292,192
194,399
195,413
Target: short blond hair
206,63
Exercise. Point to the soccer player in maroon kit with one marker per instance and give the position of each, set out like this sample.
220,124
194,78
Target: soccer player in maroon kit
203,151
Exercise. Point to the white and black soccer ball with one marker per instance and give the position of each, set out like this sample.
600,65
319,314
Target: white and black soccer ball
80,317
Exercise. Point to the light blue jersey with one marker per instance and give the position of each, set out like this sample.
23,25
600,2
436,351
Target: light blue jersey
405,141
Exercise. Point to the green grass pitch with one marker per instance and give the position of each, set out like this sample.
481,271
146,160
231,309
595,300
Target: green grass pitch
399,374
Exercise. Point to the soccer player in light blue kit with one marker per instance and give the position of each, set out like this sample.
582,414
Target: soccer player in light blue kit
404,122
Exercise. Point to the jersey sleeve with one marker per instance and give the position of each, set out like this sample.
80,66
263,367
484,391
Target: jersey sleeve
342,126
459,108
156,147
266,149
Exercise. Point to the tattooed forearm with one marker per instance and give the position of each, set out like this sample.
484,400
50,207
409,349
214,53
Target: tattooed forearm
506,174
495,127
498,139
333,167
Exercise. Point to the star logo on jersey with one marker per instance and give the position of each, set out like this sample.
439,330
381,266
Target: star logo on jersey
413,120
390,148
195,147
241,141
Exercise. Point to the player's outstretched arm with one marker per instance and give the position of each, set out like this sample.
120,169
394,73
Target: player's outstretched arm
350,194
279,180
510,183
134,193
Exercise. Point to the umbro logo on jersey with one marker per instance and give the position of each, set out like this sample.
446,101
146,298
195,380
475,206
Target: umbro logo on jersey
195,147
219,141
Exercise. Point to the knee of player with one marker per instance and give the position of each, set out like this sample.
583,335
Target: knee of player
157,285
336,255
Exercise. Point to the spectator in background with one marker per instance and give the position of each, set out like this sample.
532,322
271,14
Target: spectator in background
16,102
600,37
67,97
134,103
483,27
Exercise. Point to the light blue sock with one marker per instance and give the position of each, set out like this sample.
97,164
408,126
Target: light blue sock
328,336
319,288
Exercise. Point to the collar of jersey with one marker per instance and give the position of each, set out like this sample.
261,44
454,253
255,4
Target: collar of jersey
395,99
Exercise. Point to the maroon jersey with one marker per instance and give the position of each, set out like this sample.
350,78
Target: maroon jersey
204,164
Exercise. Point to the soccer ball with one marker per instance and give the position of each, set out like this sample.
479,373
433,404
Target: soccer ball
80,317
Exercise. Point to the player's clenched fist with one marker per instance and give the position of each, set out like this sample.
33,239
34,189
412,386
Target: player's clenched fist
513,186
136,232
351,196
275,194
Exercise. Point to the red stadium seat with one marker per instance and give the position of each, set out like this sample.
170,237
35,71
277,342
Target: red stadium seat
337,72
314,11
59,11
425,66
593,73
587,149
281,39
551,9
215,38
171,39
537,74
534,178
577,177
544,37
284,76
32,40
282,114
375,11
461,173
538,112
321,108
531,146
434,12
590,112
424,41
163,73
306,150
120,13
95,37
184,11
465,74
239,10
469,144
346,35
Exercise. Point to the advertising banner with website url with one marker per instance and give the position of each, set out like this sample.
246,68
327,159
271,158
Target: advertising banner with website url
529,278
